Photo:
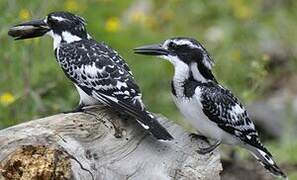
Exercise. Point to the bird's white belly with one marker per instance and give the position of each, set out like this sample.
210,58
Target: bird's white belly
86,99
192,110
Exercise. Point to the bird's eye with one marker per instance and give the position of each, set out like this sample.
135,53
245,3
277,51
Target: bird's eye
172,45
49,18
51,21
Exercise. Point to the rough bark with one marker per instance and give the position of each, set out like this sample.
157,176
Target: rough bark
99,145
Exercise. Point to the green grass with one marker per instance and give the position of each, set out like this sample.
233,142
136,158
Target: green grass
232,32
237,34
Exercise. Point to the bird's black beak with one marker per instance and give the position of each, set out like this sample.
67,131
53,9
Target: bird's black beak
29,29
153,50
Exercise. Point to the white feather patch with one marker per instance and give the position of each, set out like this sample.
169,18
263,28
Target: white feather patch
143,125
237,109
57,38
196,73
181,69
91,70
265,156
58,18
121,84
186,42
69,38
84,98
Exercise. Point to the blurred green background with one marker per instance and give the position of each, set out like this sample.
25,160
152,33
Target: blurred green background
253,44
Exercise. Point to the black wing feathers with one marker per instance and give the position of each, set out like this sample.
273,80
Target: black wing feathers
222,107
147,120
101,73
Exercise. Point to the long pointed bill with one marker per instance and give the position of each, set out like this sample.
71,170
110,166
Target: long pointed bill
153,50
29,29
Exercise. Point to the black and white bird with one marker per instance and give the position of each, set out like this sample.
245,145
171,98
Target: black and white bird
211,109
98,72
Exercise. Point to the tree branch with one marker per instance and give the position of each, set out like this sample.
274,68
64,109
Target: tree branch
84,146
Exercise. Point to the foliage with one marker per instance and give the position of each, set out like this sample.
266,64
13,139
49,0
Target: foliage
232,31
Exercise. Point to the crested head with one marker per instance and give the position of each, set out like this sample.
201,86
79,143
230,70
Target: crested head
60,22
188,56
64,27
188,50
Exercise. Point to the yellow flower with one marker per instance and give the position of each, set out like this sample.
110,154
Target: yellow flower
167,15
138,17
266,57
236,55
151,22
240,9
7,98
71,5
24,14
243,13
112,24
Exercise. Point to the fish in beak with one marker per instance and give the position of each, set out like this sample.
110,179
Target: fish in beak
29,29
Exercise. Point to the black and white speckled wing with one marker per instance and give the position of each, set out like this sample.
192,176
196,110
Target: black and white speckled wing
116,57
102,74
223,108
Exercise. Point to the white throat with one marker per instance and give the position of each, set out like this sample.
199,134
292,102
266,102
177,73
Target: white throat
196,73
181,69
181,74
65,37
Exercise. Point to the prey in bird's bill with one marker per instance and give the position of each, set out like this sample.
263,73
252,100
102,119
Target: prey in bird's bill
99,73
211,109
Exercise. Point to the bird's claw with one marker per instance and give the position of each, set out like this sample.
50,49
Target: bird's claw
198,136
203,151
209,148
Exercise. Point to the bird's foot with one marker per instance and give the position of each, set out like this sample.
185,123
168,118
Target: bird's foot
123,116
209,148
198,136
79,108
118,128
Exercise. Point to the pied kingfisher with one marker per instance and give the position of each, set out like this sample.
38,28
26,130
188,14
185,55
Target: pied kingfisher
211,109
99,73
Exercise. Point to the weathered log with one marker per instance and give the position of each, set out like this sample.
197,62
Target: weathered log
99,145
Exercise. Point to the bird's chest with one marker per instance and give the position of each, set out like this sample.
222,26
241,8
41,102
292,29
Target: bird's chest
192,110
184,87
177,89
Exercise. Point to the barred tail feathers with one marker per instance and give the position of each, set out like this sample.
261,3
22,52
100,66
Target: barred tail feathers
146,119
154,127
265,158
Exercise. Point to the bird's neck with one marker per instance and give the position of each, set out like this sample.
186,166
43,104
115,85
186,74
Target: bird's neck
201,72
184,73
181,74
67,37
